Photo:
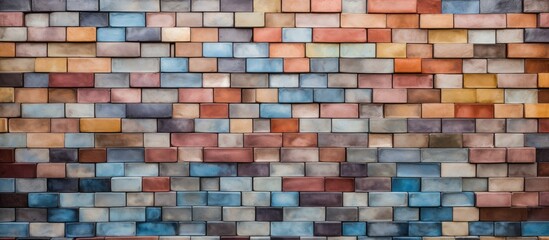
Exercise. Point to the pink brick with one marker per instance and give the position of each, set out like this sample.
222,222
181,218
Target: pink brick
11,19
524,199
339,110
480,21
195,95
161,19
161,155
145,80
413,81
316,20
493,199
544,198
375,81
46,34
487,155
92,95
228,155
394,6
383,95
194,139
521,155
128,95
31,49
544,20
71,80
263,140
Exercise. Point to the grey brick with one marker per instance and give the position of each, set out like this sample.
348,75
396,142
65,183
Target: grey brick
143,34
82,5
108,110
206,213
236,5
11,5
149,110
175,5
112,80
205,5
231,65
129,5
444,155
536,6
48,5
536,35
399,155
500,6
174,169
235,35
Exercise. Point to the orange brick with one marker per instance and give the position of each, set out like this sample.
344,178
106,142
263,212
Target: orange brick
214,110
81,34
227,95
296,5
528,50
407,65
474,110
402,20
287,50
279,20
50,170
364,20
45,140
508,111
436,21
536,110
89,64
188,49
429,6
437,110
419,50
520,20
441,65
284,125
31,95
204,35
100,125
7,49
50,65
379,35
296,65
395,6
339,35
202,64
325,5
267,34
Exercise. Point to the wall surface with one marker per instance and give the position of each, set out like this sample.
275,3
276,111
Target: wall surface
283,119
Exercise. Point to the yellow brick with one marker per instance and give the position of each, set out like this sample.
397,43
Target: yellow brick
3,124
490,95
50,65
81,34
186,111
17,65
543,80
508,111
480,80
437,110
458,95
540,110
46,140
241,125
447,36
267,5
100,125
7,95
455,228
89,64
180,34
391,50
249,19
71,49
322,50
266,95
466,214
402,110
7,49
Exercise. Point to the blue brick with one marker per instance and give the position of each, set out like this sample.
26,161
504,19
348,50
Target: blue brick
224,198
174,65
507,229
127,214
76,200
50,110
292,228
407,238
275,111
62,215
192,198
295,95
535,229
109,169
7,185
441,184
115,229
192,228
418,170
481,228
313,80
213,169
153,214
127,19
460,6
264,65
537,140
458,199
110,110
111,35
436,214
283,80
14,229
387,229
217,50
424,199
211,125
405,185
324,65
95,185
36,80
125,155
180,80
74,230
297,34
251,50
13,140
43,200
425,229
156,229
332,95
405,214
79,140
284,199
399,155
354,228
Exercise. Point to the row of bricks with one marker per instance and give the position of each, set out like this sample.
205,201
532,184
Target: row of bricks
220,82
360,6
305,229
268,20
272,65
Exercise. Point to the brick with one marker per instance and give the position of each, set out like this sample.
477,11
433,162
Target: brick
339,35
316,20
402,20
401,6
441,65
364,20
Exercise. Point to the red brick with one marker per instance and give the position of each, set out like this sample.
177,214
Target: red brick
474,111
332,154
544,198
284,125
487,155
71,80
303,184
145,80
227,95
503,214
228,155
263,140
17,170
161,155
195,95
194,139
379,35
339,35
412,81
156,184
524,199
93,95
299,139
429,6
214,110
340,184
7,155
93,155
521,155
493,199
